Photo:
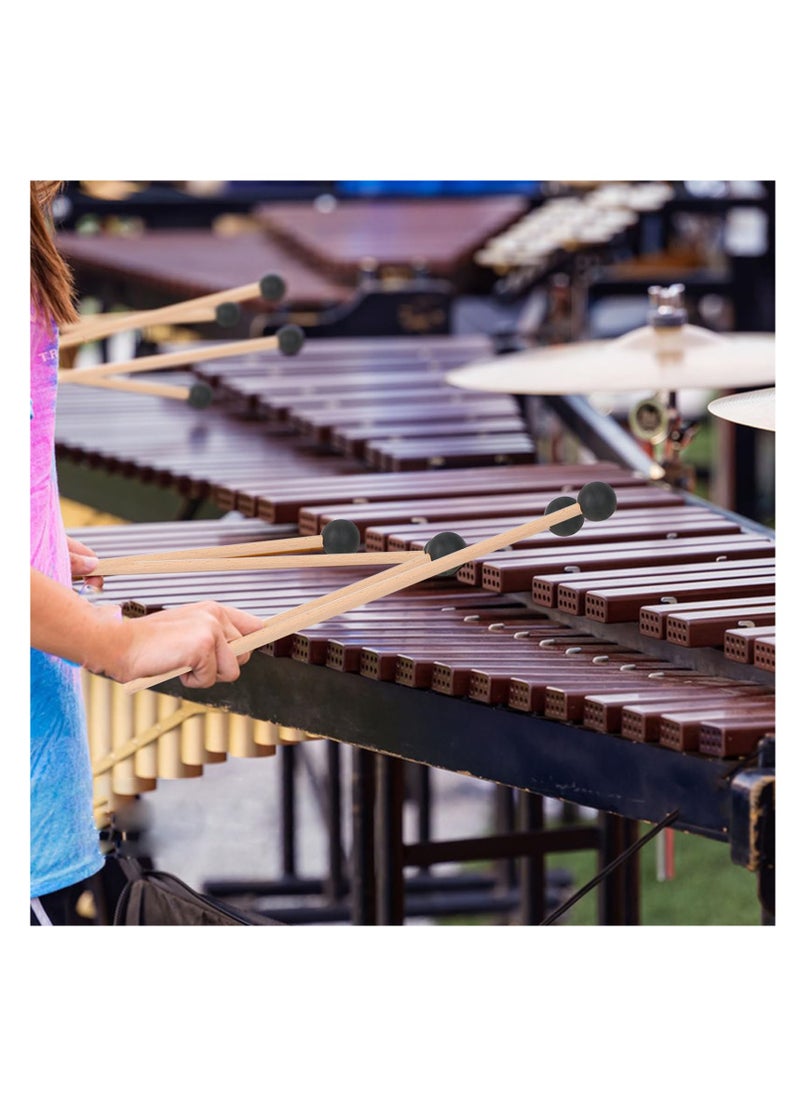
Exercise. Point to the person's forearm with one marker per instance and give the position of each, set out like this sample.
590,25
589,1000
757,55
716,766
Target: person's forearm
101,639
64,624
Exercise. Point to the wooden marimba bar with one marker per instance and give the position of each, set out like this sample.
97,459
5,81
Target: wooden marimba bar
173,446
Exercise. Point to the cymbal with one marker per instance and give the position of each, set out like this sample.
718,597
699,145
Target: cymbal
648,358
747,408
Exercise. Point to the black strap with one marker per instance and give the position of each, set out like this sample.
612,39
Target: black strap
623,856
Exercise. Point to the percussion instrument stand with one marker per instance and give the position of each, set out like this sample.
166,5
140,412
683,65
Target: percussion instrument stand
651,420
676,472
386,857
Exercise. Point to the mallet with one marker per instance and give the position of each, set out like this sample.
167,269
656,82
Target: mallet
443,554
339,537
222,307
287,339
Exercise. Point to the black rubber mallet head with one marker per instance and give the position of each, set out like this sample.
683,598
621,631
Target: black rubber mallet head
290,339
571,525
228,313
200,396
272,287
597,501
341,536
444,544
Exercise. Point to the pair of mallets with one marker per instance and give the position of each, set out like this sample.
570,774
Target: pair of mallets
443,555
337,546
223,307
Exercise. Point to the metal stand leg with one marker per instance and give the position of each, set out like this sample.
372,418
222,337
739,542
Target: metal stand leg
532,880
505,815
287,762
422,780
363,857
335,884
618,898
389,863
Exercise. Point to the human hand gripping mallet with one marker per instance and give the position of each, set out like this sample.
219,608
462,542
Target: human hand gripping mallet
443,554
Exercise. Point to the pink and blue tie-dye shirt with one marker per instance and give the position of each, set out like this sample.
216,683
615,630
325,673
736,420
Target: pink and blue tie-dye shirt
64,840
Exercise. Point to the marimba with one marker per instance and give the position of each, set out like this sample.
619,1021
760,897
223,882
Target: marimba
512,688
549,690
395,275
442,235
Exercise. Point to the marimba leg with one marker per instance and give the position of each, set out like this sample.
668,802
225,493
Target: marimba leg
363,897
336,883
390,788
532,877
505,806
618,898
288,811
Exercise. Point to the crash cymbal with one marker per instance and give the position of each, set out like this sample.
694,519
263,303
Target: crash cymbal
747,408
647,359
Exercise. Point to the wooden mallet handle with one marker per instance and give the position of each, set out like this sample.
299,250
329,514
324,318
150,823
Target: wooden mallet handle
170,360
109,567
100,326
339,536
271,287
198,395
227,551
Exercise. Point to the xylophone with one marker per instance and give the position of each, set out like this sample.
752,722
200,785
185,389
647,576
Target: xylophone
512,697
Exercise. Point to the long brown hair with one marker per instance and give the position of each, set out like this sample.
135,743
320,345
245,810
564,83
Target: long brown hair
51,279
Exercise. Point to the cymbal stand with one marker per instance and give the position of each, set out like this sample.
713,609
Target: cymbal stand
657,420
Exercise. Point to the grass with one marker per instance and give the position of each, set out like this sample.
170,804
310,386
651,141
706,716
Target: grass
707,887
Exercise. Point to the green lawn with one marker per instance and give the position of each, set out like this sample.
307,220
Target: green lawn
707,889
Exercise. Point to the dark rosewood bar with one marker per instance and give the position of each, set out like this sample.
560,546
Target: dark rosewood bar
733,737
764,653
707,628
576,594
615,605
642,722
516,572
653,618
740,642
684,730
629,525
